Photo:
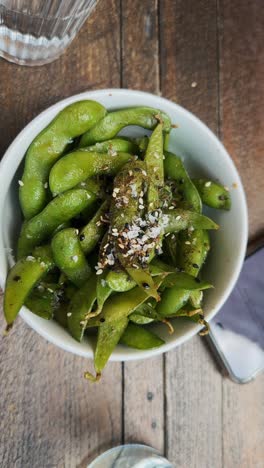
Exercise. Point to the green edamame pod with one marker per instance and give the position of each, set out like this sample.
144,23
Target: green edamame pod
81,305
140,338
122,145
213,194
69,257
174,169
129,185
109,335
103,291
94,230
154,163
145,313
193,249
196,297
48,146
179,220
172,300
59,210
22,278
80,165
113,122
120,281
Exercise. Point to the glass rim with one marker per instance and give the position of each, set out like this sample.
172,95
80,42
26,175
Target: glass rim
50,17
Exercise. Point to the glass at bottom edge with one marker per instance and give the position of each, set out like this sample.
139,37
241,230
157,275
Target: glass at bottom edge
131,456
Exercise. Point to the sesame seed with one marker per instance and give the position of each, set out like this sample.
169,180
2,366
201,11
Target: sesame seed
141,201
20,183
135,266
43,264
194,84
141,207
75,258
187,243
99,272
50,290
46,185
207,184
226,188
114,195
77,231
144,173
82,322
69,314
130,173
178,217
116,190
121,246
155,169
171,207
114,230
83,184
168,233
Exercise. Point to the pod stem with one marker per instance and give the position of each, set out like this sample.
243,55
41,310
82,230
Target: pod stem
169,325
8,329
93,378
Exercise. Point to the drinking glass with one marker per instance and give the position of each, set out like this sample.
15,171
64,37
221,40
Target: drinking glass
131,456
35,32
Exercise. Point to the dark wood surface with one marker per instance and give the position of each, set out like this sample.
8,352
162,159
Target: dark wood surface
179,402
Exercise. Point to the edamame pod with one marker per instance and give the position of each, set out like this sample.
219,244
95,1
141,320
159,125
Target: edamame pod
22,278
80,306
48,146
69,257
174,169
178,220
59,210
154,163
213,194
140,338
114,145
120,281
80,165
172,300
94,230
113,122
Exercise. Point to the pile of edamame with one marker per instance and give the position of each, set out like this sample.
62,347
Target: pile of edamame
113,237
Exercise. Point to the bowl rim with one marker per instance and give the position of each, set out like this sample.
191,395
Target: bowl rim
122,355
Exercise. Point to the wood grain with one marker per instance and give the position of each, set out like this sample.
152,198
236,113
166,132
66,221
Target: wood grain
193,385
51,416
242,102
242,97
143,380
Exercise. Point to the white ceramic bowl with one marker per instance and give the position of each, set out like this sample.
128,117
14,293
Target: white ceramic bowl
203,155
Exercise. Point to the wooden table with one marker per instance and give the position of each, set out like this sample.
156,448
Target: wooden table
208,56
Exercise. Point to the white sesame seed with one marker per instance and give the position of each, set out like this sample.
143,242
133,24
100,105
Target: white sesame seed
155,169
75,258
194,84
83,184
178,217
99,272
144,173
187,243
130,173
171,207
168,233
43,264
20,183
69,314
226,188
77,231
114,230
103,282
114,195
46,185
141,201
141,207
116,190
135,266
82,322
50,290
207,184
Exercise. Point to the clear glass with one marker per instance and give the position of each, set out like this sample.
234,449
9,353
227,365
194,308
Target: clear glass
35,32
131,456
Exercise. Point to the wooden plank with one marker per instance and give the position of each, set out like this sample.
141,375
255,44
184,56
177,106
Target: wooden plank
243,422
51,416
242,101
193,385
143,380
242,98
